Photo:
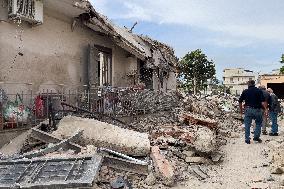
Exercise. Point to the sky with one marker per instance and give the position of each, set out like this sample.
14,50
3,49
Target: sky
233,33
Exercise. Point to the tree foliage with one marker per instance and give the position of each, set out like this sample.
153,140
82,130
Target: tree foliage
282,62
196,70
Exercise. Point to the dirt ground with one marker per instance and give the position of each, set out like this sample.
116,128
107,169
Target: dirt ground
244,166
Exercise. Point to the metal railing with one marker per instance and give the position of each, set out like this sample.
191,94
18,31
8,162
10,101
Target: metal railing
28,108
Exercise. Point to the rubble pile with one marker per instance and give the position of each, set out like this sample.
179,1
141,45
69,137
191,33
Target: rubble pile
191,131
148,101
164,142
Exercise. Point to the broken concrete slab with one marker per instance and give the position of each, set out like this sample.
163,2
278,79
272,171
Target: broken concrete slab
48,138
196,160
52,148
163,167
105,135
15,145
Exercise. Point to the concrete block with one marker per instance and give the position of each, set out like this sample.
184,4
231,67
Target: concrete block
105,135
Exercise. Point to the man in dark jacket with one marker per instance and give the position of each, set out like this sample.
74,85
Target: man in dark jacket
254,102
274,109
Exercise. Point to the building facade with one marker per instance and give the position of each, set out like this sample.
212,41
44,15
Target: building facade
274,81
236,79
50,44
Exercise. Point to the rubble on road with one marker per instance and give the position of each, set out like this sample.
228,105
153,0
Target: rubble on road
182,132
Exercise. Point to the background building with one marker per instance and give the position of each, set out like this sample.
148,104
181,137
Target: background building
274,81
236,79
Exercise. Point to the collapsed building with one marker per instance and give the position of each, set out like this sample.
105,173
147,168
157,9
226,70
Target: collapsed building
52,43
147,132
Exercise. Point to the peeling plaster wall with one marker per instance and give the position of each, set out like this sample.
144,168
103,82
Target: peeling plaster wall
51,54
123,64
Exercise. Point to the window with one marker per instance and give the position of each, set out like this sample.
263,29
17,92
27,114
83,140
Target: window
100,66
232,80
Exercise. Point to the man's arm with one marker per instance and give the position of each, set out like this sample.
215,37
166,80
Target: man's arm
264,103
241,99
241,108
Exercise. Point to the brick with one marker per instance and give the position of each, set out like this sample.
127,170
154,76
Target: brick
162,166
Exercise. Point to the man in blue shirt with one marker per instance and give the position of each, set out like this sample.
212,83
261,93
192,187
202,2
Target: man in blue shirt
254,102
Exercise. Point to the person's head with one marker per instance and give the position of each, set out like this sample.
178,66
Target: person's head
251,83
262,87
269,90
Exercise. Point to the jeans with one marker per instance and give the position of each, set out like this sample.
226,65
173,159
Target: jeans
273,116
250,114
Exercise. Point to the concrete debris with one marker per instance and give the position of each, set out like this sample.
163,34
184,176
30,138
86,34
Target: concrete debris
198,120
196,160
151,180
105,135
282,180
51,148
148,101
205,140
216,157
184,132
15,145
198,172
120,183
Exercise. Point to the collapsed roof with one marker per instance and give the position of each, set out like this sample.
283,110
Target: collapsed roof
154,53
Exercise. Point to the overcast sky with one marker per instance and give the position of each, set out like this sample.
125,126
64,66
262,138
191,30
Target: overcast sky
234,33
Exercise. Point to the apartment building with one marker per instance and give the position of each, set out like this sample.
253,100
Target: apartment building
236,79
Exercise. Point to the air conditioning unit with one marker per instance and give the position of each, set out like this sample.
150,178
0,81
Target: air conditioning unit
27,10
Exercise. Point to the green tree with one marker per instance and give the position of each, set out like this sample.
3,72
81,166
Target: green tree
282,62
195,70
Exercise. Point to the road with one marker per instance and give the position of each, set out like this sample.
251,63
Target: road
244,166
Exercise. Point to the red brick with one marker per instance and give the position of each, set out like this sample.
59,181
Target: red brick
162,166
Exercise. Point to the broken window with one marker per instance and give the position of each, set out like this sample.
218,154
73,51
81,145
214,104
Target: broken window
146,75
100,66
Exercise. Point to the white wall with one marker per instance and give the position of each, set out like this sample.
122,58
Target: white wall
52,54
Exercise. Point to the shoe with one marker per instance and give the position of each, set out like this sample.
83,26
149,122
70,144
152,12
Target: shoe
257,140
273,134
247,141
264,132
